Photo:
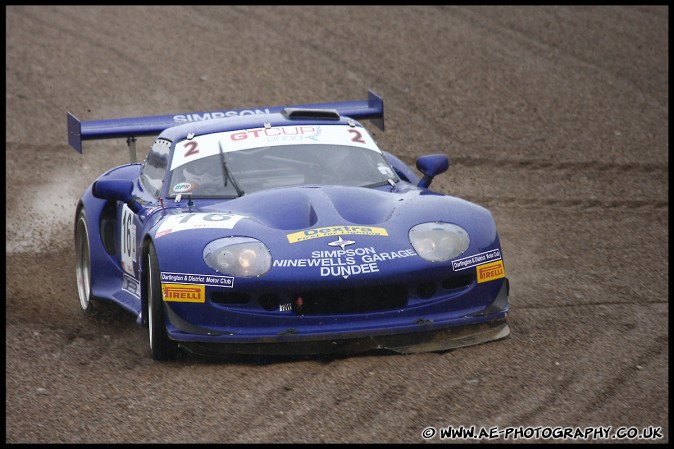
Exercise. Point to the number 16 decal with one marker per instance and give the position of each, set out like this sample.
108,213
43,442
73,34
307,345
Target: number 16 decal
128,240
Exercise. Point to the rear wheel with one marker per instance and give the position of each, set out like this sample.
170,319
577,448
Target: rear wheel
161,347
83,264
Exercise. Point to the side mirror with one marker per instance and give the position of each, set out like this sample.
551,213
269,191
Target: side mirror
431,165
116,190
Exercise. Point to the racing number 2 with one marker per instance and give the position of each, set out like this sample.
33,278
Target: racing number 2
191,148
357,136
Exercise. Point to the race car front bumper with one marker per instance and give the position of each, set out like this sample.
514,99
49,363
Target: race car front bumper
434,333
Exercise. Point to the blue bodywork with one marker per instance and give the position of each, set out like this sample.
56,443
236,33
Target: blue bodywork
375,292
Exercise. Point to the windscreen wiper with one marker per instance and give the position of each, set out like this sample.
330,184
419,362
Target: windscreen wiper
226,174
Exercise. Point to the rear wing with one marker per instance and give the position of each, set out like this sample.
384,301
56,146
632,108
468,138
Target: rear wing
130,128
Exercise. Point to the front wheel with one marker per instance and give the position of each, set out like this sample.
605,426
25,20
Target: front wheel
161,347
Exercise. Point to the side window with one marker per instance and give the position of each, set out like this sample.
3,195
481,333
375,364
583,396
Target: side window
154,167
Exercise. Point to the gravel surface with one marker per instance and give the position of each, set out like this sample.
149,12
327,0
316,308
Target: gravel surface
554,118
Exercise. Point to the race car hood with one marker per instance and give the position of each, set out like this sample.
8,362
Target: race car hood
300,223
293,209
305,207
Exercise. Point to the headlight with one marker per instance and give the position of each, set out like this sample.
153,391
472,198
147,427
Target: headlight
439,242
238,256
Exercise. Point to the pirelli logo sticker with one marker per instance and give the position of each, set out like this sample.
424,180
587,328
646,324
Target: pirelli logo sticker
333,231
183,292
490,271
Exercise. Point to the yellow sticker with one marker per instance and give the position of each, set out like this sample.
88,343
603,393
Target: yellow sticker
334,231
184,292
490,271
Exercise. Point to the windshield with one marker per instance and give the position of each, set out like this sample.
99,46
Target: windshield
233,163
232,174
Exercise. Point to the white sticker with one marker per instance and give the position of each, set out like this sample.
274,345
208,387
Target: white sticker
131,285
245,139
384,170
128,240
183,187
476,259
185,222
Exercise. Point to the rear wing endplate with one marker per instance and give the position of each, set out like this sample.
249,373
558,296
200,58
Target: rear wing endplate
130,128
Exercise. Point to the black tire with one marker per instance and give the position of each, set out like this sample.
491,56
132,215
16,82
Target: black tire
161,347
83,264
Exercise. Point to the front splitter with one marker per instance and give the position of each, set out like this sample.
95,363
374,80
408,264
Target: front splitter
410,343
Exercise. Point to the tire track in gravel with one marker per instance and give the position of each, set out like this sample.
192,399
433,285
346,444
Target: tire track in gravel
436,128
579,305
568,185
574,166
300,392
329,394
580,56
577,204
659,348
582,387
48,25
332,32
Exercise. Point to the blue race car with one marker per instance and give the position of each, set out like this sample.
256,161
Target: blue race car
284,231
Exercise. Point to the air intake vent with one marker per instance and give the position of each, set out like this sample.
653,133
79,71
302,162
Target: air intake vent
337,302
320,114
229,298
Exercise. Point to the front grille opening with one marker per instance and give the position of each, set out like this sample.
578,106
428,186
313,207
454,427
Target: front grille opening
269,302
425,291
228,298
361,300
455,282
